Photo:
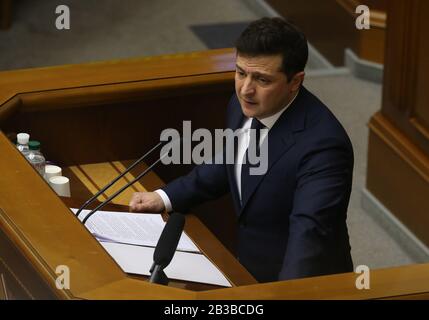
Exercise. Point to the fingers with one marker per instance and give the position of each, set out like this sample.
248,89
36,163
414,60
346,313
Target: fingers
146,202
136,202
138,208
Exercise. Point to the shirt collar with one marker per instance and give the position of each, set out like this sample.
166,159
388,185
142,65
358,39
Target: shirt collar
271,120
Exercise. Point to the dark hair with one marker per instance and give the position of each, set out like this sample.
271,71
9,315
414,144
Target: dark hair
271,36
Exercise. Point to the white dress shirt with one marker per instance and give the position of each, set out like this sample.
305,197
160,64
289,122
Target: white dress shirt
243,144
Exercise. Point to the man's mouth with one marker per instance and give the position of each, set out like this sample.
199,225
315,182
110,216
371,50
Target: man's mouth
249,102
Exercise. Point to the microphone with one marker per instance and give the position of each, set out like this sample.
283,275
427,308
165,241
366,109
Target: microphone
166,247
102,204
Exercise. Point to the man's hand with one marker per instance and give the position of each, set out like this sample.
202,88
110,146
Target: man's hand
146,202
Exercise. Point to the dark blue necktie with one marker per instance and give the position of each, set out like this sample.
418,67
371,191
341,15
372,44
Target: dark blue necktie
245,174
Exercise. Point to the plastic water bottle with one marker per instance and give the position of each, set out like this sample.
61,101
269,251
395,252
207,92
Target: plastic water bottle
35,157
22,142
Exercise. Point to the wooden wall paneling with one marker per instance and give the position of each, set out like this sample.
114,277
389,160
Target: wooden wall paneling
398,175
93,132
419,117
405,94
395,69
379,5
9,109
371,44
5,13
398,152
21,279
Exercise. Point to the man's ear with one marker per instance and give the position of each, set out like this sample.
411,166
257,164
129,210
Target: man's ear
297,80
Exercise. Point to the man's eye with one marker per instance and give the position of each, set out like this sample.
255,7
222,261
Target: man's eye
263,80
240,73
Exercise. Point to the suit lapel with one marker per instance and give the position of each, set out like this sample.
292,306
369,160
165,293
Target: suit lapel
280,139
278,144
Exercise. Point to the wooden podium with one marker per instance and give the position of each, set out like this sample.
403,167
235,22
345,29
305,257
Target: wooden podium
92,119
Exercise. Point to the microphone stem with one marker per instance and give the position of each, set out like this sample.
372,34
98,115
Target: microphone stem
101,205
90,200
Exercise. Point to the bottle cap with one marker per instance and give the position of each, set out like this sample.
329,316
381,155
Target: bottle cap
34,145
22,138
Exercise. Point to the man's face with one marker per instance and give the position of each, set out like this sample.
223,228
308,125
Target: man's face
262,88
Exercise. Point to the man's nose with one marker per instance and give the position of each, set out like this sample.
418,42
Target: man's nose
248,88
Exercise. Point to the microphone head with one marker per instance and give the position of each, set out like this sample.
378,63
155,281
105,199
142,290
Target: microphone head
169,240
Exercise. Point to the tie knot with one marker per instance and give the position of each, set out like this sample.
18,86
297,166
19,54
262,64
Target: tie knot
256,124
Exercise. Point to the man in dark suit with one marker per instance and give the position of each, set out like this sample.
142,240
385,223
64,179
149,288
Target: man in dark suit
292,218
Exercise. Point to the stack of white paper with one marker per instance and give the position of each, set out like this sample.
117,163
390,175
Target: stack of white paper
131,238
184,266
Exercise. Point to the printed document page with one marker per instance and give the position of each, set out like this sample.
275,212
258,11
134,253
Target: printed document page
131,228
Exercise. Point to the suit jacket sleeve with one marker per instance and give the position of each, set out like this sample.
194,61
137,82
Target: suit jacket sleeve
205,182
317,221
